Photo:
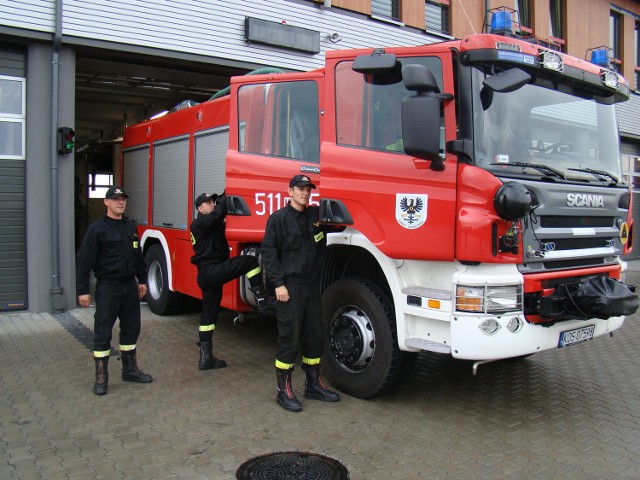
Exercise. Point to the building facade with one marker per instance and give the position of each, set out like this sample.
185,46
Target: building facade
96,66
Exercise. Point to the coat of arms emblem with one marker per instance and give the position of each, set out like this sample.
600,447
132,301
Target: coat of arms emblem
411,209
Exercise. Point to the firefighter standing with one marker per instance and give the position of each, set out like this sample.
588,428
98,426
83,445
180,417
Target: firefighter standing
111,249
215,268
293,250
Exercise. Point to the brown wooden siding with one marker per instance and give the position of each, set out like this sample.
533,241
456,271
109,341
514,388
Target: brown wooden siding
360,6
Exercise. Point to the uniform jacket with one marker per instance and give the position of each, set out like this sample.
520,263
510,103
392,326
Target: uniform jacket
208,236
111,249
293,246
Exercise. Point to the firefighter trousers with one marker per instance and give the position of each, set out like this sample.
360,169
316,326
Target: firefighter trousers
300,321
116,299
212,277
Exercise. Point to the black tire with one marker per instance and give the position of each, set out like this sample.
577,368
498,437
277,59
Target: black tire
361,355
160,299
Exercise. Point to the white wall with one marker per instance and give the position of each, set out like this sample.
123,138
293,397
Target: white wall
211,28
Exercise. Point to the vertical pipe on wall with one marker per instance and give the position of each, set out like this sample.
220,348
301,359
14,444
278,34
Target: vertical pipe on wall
487,19
58,303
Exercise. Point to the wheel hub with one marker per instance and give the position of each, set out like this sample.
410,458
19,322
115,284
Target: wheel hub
352,339
155,282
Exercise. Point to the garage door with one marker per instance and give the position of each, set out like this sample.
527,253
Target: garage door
13,256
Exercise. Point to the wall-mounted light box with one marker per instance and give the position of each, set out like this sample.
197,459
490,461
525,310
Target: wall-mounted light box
281,35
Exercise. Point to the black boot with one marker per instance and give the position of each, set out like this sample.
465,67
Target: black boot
207,359
315,388
130,370
286,398
102,375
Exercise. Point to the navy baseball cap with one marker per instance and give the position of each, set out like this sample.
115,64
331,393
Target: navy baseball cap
301,181
115,192
205,197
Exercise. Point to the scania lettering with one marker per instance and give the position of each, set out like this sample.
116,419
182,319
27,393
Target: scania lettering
577,200
479,181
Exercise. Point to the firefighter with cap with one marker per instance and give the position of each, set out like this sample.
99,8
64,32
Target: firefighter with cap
215,268
112,250
293,250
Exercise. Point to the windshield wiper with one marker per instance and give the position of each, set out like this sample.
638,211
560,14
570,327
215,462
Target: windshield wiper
536,166
596,173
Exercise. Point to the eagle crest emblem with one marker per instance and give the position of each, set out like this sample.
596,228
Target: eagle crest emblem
411,209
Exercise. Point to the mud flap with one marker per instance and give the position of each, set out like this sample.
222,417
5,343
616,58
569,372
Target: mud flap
593,297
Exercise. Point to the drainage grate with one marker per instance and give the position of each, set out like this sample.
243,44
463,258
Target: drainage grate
292,466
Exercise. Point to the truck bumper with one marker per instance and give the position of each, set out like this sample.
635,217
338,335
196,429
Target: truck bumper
469,339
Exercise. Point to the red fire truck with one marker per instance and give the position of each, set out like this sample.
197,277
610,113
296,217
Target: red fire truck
479,180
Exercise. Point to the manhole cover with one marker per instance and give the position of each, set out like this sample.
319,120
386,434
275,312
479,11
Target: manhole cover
292,466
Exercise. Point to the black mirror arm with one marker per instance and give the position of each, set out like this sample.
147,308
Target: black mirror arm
444,96
461,147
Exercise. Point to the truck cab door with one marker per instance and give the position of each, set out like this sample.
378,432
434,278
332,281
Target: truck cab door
403,204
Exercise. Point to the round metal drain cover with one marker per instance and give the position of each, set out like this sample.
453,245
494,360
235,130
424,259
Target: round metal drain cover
292,466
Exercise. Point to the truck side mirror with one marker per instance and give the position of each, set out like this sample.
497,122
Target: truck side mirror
504,82
334,211
421,115
376,63
237,206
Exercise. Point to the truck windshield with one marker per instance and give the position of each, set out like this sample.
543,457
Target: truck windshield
558,133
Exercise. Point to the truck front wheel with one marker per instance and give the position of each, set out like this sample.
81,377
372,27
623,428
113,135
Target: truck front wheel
361,355
160,299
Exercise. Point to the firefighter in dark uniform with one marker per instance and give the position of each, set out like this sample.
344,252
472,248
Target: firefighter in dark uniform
293,250
111,249
215,268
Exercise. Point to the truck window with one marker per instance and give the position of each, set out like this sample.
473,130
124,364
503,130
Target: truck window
368,107
280,119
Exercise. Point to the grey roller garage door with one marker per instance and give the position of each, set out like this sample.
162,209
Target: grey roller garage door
13,256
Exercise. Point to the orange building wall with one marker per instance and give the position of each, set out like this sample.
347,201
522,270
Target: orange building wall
468,20
586,22
360,6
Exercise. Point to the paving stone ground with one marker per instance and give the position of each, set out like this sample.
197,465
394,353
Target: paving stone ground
565,414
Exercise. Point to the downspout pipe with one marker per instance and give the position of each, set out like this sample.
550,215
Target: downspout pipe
487,19
58,303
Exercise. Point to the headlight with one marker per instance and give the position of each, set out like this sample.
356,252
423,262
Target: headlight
490,299
552,61
470,299
504,299
610,79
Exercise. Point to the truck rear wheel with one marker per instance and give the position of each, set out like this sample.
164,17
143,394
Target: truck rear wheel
361,355
160,299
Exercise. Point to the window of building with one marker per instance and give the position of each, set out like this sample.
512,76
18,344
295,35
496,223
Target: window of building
99,183
436,16
12,118
525,17
386,9
280,119
556,15
615,35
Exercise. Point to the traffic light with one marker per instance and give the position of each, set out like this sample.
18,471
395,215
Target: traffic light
66,140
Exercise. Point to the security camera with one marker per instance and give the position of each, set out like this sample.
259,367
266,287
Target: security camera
335,37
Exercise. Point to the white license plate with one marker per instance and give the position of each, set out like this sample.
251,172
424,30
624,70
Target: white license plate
571,337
